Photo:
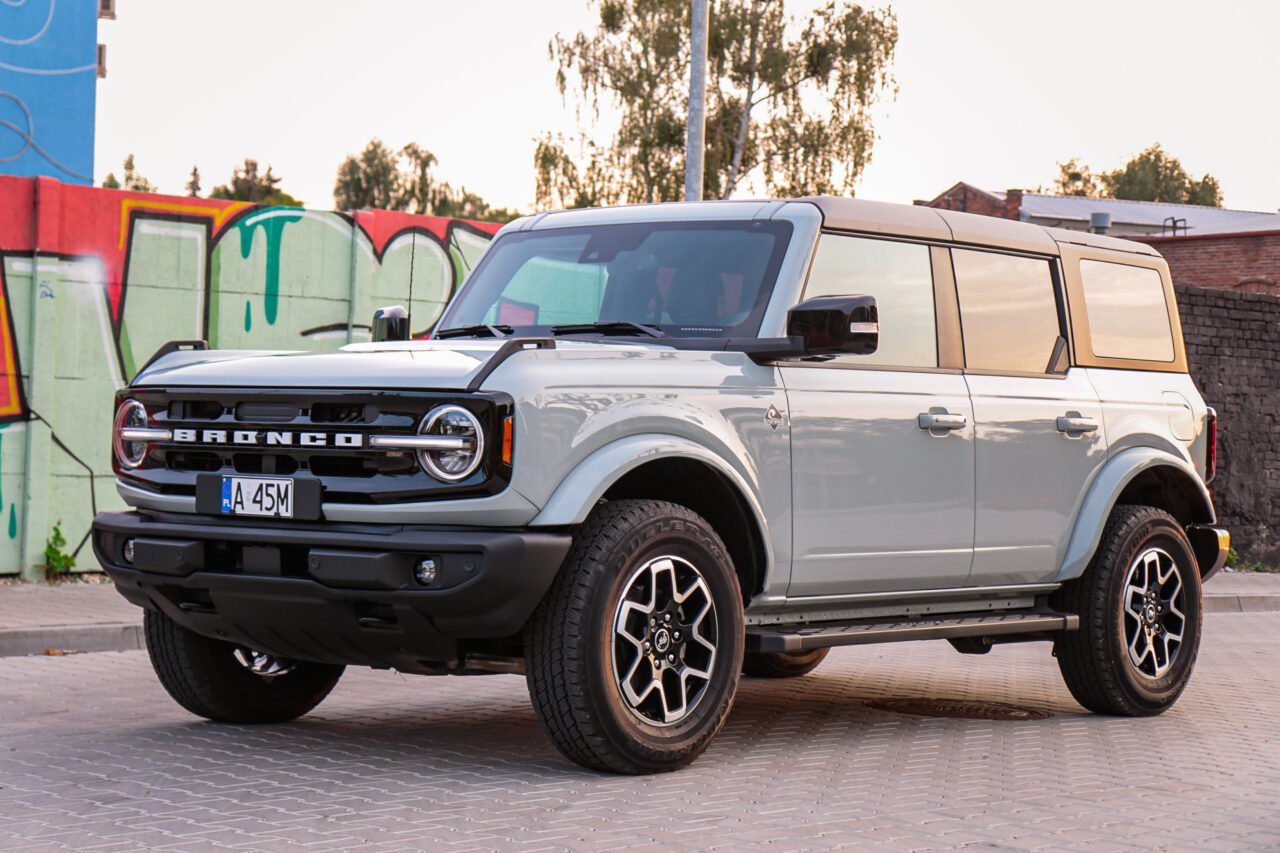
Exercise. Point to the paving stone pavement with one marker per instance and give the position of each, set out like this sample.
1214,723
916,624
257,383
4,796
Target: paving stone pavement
95,757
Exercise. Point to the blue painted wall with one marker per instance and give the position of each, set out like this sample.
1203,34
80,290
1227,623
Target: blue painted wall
48,81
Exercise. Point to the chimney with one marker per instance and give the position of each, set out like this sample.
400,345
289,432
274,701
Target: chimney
1013,204
1099,223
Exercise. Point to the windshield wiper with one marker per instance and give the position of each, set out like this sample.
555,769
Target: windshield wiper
618,327
479,330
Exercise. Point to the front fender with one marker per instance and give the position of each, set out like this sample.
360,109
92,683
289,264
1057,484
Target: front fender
1107,486
581,490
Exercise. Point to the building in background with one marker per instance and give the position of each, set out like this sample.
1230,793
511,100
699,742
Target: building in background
49,66
1117,217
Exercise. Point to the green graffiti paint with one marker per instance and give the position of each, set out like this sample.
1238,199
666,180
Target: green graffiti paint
248,315
272,221
13,521
215,279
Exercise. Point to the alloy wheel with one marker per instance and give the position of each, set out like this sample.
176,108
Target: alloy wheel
1154,612
664,640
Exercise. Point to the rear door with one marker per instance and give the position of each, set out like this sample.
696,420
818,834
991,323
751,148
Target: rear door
1040,434
880,502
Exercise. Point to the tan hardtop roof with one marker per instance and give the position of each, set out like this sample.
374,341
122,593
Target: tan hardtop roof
928,223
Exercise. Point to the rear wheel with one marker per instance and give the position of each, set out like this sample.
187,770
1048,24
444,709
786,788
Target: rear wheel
782,664
634,654
1140,617
232,684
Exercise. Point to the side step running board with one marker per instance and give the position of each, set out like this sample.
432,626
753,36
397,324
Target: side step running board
818,635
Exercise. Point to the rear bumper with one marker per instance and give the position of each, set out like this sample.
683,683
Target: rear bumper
1212,545
331,592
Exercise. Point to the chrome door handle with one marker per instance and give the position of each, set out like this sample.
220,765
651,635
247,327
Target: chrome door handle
1076,424
941,421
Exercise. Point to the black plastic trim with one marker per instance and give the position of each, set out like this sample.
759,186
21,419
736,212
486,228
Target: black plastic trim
313,592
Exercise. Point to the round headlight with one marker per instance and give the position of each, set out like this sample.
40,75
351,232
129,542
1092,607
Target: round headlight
130,415
466,451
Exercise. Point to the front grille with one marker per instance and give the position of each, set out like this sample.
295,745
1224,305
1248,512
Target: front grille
347,474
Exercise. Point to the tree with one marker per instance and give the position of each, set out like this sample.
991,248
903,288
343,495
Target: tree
405,180
789,101
1152,175
1075,178
1156,176
133,181
193,185
247,184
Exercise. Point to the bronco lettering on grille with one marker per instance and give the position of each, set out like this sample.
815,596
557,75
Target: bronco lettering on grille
272,438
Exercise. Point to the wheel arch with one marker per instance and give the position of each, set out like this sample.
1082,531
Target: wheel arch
1139,475
665,467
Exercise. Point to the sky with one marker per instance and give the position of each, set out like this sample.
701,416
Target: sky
992,92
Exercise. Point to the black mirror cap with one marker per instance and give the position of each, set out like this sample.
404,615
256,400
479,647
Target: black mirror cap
391,323
836,325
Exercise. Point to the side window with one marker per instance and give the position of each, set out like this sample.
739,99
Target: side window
1008,312
900,277
1127,310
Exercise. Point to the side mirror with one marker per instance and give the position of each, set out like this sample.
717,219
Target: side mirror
391,323
836,325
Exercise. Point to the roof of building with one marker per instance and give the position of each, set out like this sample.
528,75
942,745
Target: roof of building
1193,218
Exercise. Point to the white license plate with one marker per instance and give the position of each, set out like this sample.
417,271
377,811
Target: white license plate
257,496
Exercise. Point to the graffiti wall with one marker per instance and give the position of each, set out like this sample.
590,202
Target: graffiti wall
93,281
48,84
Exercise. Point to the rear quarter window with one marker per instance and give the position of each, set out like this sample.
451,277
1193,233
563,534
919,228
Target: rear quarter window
1127,310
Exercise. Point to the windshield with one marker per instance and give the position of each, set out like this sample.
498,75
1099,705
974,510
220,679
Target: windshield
683,279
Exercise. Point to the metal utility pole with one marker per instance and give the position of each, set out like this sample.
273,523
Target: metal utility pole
696,133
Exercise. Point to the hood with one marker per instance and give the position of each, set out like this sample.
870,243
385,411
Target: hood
428,365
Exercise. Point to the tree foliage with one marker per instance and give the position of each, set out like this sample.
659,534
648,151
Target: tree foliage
405,180
788,102
193,185
1153,175
248,184
132,181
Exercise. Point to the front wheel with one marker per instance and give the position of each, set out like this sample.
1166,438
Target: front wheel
232,684
634,654
1139,608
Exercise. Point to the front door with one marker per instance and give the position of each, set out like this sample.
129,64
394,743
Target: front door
881,445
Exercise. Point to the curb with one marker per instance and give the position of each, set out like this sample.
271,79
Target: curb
1245,603
102,637
127,636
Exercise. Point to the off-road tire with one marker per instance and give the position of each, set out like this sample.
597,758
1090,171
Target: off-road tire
569,640
1094,660
782,664
203,676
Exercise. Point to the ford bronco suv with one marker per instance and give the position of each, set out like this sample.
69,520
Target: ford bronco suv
648,449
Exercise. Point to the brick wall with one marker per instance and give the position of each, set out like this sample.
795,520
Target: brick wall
1233,347
1241,262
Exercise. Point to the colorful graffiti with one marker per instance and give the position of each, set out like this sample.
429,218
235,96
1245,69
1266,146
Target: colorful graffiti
48,86
93,281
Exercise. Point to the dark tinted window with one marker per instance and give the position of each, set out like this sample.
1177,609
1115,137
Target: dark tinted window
1008,312
1128,314
695,279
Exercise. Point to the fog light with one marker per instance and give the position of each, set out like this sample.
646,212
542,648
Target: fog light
425,572
128,550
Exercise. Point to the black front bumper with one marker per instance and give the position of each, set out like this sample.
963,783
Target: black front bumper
336,593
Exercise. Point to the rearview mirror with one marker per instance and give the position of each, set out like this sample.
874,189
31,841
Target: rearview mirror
391,323
836,325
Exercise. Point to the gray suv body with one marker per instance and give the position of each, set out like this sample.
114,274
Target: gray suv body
649,448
